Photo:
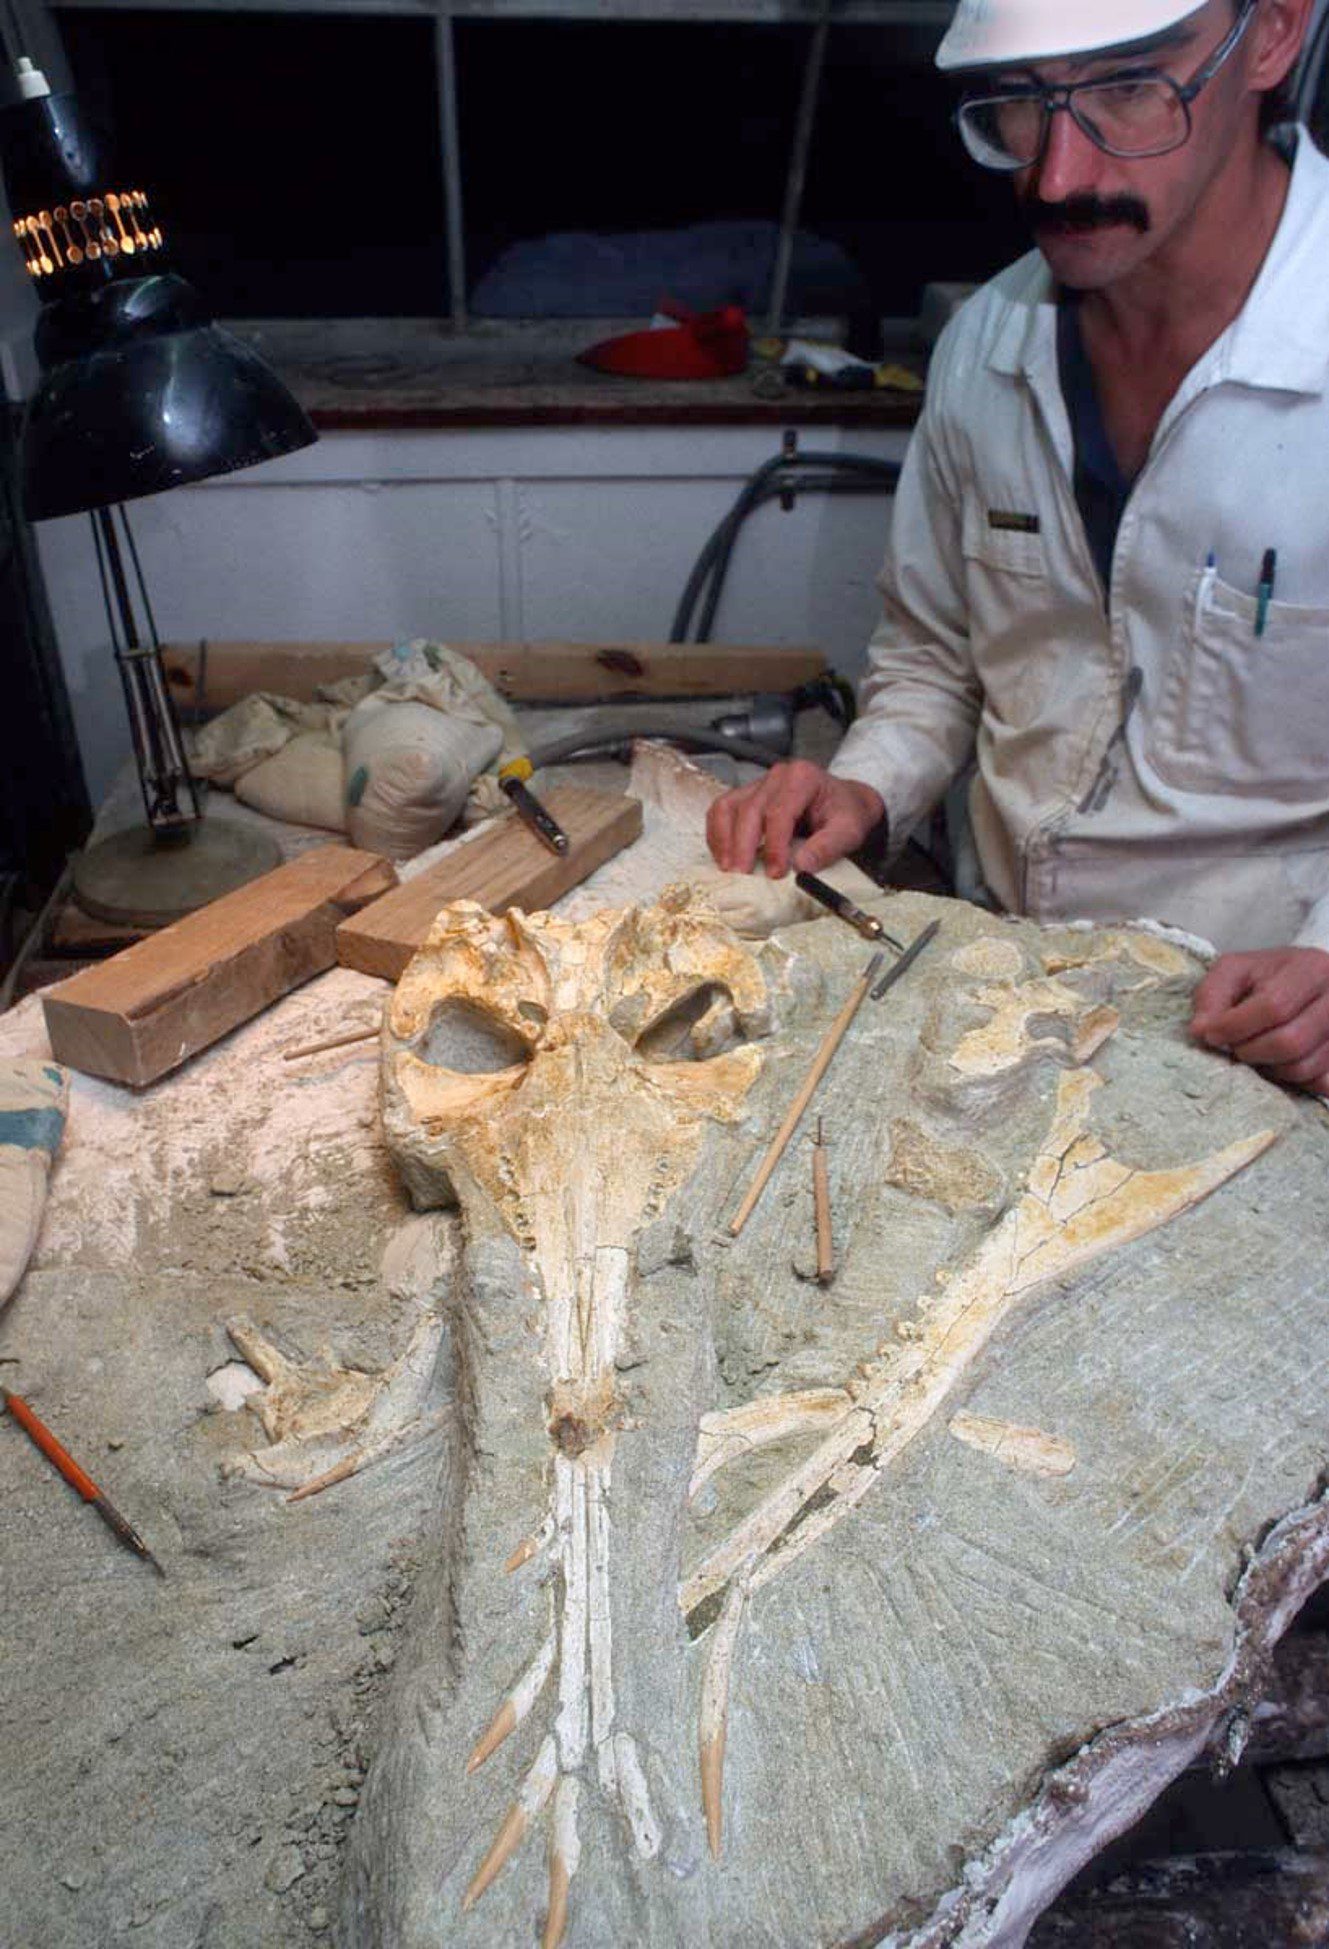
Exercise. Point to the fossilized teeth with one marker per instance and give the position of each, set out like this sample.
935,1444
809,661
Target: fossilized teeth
557,1919
503,1722
713,1719
505,1844
535,1790
564,1854
339,1471
515,1706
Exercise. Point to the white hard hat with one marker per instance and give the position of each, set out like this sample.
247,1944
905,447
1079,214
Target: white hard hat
1006,33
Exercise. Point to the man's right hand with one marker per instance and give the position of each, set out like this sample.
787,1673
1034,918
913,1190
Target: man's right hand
835,814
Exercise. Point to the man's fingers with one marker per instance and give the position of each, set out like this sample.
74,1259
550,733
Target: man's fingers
790,791
1311,1073
1228,982
1267,1009
1290,1042
747,829
720,816
761,820
839,835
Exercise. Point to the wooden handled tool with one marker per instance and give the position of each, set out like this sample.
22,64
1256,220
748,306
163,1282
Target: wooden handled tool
820,1064
77,1478
821,1199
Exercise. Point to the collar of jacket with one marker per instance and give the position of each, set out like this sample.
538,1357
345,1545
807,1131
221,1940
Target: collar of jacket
1278,342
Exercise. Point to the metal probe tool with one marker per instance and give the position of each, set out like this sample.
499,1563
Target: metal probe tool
78,1478
512,780
841,905
907,958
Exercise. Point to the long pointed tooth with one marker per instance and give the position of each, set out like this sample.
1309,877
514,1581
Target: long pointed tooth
564,1854
339,1472
535,1790
713,1719
556,1921
515,1706
508,1839
712,1789
503,1722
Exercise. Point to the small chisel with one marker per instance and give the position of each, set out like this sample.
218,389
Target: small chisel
907,959
512,780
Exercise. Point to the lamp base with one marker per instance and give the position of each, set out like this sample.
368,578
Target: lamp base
142,881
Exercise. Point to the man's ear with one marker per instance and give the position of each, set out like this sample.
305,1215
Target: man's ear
1277,34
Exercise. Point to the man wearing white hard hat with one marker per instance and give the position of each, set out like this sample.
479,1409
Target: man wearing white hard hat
1107,583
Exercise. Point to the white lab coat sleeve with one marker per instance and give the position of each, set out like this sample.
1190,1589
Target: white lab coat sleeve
1314,929
919,702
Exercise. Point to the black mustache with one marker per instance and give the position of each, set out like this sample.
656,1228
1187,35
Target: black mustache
1087,212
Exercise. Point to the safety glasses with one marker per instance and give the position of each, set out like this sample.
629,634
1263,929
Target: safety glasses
1139,112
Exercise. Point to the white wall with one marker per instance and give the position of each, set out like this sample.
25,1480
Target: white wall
580,535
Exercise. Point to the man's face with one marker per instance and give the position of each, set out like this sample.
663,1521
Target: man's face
1097,217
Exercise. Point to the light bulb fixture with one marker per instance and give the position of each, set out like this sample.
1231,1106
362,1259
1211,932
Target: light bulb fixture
139,391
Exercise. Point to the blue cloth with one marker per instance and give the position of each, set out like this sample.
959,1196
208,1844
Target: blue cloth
32,1129
1101,488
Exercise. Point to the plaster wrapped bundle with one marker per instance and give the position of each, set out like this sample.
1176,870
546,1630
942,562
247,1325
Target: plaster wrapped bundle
278,755
413,748
34,1103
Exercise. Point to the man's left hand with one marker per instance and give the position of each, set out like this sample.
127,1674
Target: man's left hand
1270,1008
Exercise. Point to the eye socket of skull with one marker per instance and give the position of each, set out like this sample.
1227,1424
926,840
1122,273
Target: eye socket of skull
697,1025
468,1039
679,987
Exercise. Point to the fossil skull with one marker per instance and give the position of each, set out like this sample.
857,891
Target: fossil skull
583,1062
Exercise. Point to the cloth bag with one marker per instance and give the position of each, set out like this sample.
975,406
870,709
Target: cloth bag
412,748
34,1105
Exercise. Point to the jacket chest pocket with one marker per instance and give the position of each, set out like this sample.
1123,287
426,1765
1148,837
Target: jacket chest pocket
1003,539
1241,713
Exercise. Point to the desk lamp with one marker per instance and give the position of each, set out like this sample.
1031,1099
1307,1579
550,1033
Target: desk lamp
139,391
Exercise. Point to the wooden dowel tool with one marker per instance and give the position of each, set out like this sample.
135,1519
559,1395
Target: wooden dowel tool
821,1063
77,1478
821,1199
333,1042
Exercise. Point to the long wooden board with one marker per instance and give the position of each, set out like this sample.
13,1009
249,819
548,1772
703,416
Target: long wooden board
210,676
503,866
155,1004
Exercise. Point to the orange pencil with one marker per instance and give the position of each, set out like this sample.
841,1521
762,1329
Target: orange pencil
77,1478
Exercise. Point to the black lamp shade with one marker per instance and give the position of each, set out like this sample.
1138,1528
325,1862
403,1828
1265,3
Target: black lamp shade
140,392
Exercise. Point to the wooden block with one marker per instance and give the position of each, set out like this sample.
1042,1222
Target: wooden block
504,866
145,1011
210,676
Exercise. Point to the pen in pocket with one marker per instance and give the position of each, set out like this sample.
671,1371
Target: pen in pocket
1265,588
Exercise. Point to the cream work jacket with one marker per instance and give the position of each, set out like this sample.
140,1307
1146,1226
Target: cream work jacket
1140,751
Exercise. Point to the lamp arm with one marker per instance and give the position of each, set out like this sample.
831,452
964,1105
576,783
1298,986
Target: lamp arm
170,793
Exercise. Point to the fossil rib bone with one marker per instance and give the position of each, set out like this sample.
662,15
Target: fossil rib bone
1079,1202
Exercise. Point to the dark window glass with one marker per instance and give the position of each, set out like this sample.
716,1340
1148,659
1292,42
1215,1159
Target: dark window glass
293,158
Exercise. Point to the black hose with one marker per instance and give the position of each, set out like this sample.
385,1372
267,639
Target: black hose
826,483
783,473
